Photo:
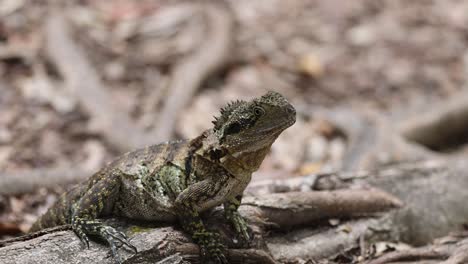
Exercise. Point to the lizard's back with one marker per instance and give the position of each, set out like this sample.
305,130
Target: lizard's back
153,179
131,199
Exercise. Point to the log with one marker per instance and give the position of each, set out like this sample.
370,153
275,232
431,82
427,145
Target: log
155,244
426,189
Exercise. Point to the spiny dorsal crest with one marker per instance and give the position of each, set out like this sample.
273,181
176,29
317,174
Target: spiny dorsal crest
226,113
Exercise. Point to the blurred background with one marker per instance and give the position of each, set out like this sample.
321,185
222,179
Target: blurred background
84,81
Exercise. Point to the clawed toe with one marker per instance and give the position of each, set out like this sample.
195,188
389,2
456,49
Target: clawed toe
244,233
112,236
212,250
82,236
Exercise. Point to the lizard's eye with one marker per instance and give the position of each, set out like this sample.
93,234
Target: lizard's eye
258,111
233,128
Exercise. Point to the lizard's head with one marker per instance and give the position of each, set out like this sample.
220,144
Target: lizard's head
250,126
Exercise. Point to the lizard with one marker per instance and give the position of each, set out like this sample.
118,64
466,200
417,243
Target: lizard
176,181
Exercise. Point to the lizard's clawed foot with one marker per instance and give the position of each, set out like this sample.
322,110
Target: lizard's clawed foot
116,239
211,248
82,236
244,232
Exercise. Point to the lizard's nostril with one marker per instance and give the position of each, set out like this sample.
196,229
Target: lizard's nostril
291,110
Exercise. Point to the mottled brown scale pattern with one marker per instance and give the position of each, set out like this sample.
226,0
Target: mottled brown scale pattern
176,181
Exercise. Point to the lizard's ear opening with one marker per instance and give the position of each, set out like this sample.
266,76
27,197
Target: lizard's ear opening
233,128
216,154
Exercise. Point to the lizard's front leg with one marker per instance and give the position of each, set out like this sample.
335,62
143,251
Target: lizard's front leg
189,204
89,207
236,220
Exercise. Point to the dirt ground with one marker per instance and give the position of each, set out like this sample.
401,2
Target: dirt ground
386,57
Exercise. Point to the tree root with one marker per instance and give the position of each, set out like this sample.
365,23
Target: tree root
154,245
454,252
107,118
442,127
337,180
308,207
157,244
193,70
84,82
293,225
373,140
429,253
30,180
459,256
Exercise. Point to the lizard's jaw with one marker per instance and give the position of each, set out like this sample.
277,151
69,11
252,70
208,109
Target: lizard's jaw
260,139
244,162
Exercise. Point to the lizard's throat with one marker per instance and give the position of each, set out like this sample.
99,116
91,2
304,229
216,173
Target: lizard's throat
244,162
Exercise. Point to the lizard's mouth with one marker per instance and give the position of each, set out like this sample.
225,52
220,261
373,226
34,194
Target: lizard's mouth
264,137
273,130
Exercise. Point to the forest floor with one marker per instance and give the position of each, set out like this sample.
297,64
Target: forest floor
388,58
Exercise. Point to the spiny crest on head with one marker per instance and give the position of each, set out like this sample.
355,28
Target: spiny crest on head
273,98
226,112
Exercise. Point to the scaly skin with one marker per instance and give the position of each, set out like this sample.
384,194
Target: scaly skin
177,181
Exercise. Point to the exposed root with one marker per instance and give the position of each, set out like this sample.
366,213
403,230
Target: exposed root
84,83
460,256
193,70
451,251
312,206
443,126
413,254
107,118
30,180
